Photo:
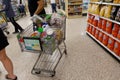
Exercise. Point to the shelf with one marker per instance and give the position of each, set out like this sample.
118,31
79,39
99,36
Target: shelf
114,4
104,46
74,4
106,18
105,33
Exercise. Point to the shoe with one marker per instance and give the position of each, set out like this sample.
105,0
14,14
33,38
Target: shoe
22,31
10,78
15,32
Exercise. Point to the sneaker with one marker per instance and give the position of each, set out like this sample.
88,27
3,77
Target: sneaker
15,32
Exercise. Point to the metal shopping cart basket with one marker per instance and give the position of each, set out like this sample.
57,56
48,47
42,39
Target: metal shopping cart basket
51,47
3,23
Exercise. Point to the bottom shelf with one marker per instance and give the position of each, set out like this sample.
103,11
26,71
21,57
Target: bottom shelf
104,46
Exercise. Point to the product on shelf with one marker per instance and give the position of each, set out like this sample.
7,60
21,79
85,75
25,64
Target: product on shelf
93,31
108,1
96,34
90,29
116,1
115,30
114,12
100,23
90,8
100,37
118,36
95,22
105,39
109,27
96,9
102,11
111,43
91,18
108,11
117,18
94,0
104,24
117,48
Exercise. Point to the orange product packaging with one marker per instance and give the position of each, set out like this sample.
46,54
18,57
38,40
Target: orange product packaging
115,30
109,27
91,19
111,44
100,23
90,29
100,37
118,35
117,48
88,26
93,31
105,39
96,34
104,24
95,22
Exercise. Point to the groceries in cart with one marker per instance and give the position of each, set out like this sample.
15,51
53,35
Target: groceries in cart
47,32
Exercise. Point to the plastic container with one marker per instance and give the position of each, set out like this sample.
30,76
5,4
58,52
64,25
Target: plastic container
111,44
115,30
104,24
109,27
105,39
117,48
100,37
96,34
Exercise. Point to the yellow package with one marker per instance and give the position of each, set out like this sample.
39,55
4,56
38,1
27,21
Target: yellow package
116,1
108,11
97,9
90,8
102,10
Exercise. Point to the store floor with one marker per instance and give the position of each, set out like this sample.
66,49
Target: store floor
86,60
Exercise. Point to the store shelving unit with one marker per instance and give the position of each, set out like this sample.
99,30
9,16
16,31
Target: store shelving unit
101,30
73,8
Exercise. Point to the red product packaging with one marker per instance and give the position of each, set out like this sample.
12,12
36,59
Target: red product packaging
100,37
111,43
100,23
104,24
96,34
105,39
117,48
93,31
109,27
115,30
90,29
118,35
95,22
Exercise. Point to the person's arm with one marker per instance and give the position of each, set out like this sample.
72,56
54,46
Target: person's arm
40,6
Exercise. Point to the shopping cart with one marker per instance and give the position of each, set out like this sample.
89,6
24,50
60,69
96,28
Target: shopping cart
51,48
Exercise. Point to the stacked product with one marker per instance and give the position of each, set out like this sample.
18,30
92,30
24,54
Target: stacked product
104,24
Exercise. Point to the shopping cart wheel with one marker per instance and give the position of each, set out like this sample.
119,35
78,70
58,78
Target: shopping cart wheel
37,72
53,74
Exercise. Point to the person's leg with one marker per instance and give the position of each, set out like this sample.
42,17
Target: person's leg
55,8
52,8
16,25
7,64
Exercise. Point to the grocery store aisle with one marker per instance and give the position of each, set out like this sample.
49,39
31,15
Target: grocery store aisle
86,60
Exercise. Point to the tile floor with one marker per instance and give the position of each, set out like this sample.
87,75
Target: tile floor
86,60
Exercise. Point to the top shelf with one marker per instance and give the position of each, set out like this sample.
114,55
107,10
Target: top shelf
114,4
